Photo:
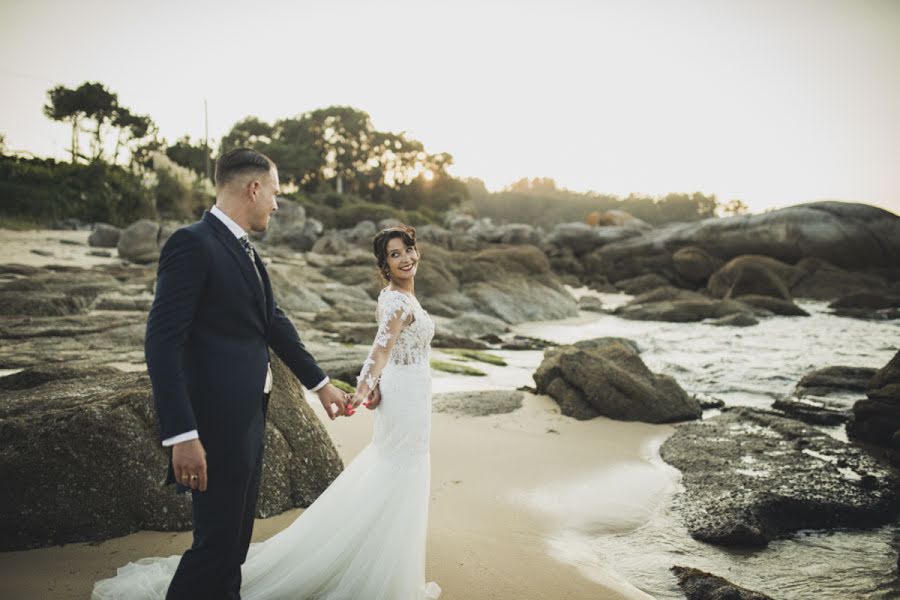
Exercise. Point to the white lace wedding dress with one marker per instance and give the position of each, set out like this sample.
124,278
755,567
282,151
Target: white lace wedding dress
364,537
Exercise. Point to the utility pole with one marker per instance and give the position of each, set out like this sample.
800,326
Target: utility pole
206,138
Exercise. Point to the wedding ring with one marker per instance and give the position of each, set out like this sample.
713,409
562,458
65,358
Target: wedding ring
193,477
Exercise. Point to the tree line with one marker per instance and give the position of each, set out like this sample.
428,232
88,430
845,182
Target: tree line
333,160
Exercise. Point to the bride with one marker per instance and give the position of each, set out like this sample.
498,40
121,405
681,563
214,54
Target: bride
364,537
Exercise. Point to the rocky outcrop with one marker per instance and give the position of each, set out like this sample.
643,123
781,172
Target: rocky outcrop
700,585
607,377
678,306
826,396
878,305
582,238
140,242
876,419
695,264
642,284
850,236
751,477
47,292
82,461
104,235
478,403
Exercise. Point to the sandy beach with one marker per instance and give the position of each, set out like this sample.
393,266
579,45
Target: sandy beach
484,540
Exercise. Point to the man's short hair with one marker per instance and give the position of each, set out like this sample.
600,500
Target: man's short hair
241,161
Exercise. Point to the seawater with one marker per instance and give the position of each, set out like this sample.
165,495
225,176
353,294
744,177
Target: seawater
621,518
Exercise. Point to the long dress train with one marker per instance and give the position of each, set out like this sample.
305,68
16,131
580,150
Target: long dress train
364,537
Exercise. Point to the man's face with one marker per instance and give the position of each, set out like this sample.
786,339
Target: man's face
265,203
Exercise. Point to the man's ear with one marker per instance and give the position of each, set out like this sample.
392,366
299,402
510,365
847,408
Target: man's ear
253,189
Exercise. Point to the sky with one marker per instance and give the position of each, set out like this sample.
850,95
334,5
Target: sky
773,102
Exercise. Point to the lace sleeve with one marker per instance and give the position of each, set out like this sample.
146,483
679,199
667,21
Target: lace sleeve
395,312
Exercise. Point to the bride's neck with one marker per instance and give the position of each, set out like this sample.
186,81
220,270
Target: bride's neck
407,287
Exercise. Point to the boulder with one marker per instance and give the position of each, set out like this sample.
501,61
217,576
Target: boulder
63,484
700,585
104,235
607,377
826,396
49,293
695,264
753,274
751,477
678,306
642,283
777,306
582,238
140,242
876,419
848,235
361,233
518,233
739,319
473,325
591,304
331,243
879,305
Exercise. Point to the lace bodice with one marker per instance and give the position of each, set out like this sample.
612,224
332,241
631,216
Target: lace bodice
404,337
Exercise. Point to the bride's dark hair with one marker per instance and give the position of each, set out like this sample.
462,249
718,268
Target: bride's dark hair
379,245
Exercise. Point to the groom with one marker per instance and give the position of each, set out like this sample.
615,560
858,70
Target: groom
208,333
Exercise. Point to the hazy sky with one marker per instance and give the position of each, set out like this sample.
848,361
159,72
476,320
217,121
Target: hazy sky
774,102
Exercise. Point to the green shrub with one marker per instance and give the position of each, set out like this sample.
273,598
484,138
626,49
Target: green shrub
46,191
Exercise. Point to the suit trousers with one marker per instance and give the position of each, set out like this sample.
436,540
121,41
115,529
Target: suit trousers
223,519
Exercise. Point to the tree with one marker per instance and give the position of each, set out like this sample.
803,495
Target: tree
138,133
190,156
734,208
63,105
247,133
93,104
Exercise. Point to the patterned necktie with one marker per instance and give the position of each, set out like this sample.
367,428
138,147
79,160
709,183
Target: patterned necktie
251,252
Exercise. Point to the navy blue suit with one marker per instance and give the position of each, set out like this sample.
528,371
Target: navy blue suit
207,349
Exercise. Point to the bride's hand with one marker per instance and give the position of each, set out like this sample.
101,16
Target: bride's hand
352,403
374,398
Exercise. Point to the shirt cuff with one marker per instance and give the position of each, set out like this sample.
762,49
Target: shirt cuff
182,437
322,384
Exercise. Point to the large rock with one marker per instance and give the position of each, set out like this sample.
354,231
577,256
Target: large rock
678,306
751,476
642,283
581,238
55,292
497,279
826,396
82,461
140,242
699,585
104,235
868,305
876,419
608,378
848,235
695,265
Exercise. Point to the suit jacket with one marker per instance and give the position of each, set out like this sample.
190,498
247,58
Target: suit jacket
208,336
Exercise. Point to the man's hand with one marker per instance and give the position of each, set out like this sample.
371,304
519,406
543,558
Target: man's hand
189,464
374,398
330,395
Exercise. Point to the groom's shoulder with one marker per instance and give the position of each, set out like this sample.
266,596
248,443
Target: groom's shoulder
194,235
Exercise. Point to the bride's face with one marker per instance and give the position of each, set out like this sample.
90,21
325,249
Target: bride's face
402,260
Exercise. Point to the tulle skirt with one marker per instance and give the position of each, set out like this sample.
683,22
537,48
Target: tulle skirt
362,539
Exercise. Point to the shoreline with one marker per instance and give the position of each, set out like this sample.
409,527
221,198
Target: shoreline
484,540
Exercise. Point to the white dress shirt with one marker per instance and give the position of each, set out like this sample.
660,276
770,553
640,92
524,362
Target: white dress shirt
238,232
